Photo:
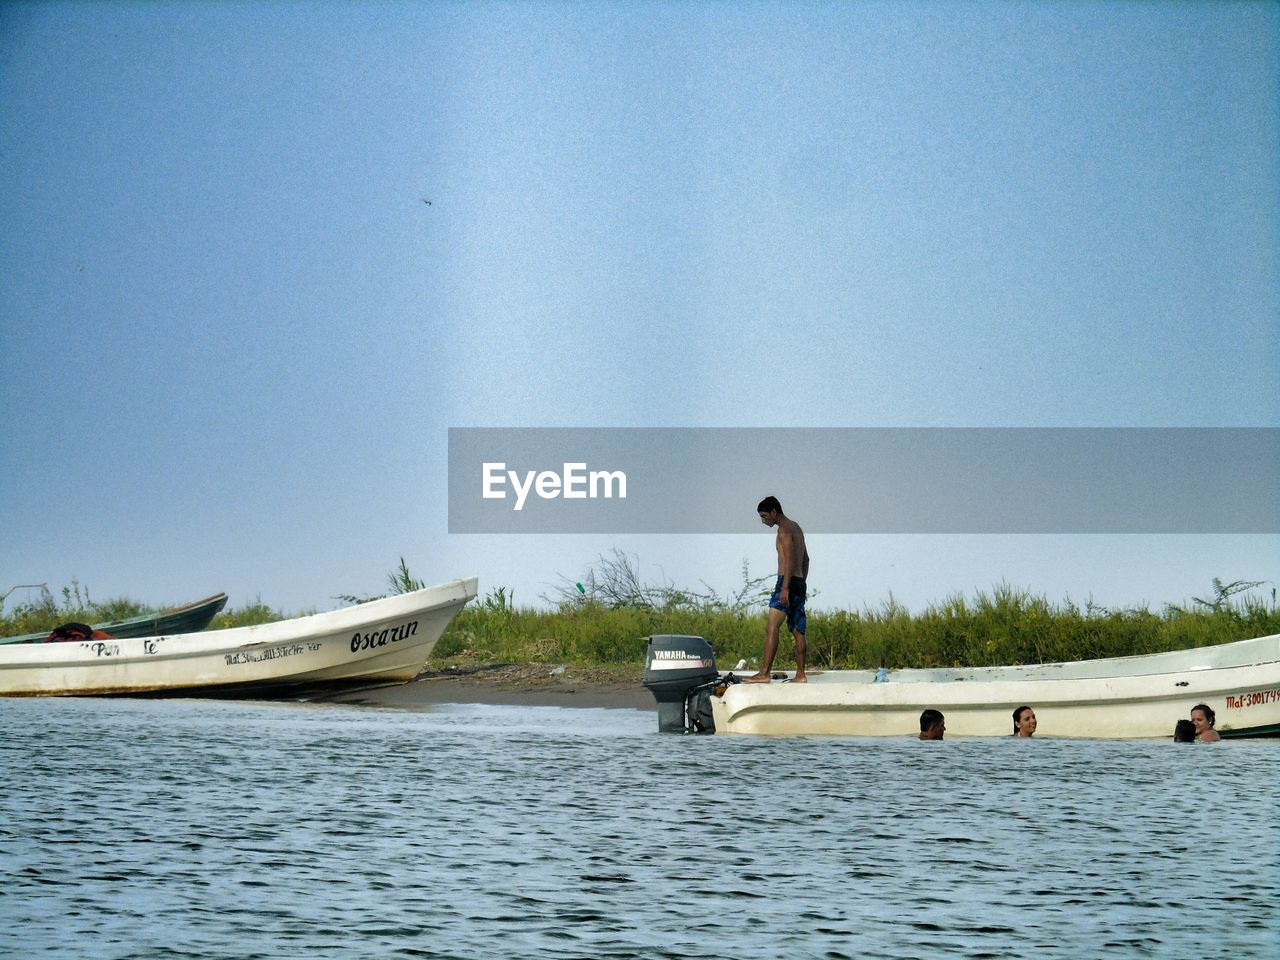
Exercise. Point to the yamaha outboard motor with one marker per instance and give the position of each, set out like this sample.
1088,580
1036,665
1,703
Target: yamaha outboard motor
677,668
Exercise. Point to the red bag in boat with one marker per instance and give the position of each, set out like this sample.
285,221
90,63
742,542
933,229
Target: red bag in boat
68,632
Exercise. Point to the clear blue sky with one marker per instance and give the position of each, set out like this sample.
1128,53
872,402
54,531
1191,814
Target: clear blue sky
233,334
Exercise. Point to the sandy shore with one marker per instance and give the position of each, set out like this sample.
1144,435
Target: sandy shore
520,684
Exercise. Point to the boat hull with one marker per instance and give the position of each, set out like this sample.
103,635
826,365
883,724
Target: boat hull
1070,700
381,641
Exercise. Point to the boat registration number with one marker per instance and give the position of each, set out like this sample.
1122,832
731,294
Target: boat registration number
1253,699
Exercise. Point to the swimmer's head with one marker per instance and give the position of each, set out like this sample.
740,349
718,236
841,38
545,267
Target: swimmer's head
1203,717
1024,722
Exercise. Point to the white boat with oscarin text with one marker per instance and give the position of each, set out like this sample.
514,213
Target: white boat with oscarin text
381,641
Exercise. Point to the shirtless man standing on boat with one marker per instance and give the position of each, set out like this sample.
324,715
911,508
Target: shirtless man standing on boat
788,597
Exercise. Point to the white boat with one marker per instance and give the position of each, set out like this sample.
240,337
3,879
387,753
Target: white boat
380,641
1120,698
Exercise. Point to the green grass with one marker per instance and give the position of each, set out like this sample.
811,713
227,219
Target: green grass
1005,625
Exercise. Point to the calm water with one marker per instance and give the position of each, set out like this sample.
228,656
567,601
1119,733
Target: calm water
210,829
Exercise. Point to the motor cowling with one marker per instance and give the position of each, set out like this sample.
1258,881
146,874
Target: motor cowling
674,667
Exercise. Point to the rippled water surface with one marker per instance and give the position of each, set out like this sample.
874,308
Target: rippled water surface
239,830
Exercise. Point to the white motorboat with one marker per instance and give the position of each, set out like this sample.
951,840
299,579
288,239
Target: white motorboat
381,641
1122,697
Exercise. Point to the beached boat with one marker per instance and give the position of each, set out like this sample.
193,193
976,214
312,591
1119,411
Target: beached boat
377,642
190,618
1120,698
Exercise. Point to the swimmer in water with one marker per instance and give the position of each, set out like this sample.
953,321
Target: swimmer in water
1024,722
1203,718
932,725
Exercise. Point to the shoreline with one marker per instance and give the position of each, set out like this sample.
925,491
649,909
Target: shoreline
511,684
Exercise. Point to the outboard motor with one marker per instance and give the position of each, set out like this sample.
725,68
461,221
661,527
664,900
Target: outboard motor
677,668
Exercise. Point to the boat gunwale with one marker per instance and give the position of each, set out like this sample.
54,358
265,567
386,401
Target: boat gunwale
170,611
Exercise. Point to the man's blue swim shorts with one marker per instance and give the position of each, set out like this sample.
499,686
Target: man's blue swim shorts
794,609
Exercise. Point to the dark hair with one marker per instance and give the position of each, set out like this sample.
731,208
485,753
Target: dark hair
1184,731
767,504
930,719
1017,715
1208,712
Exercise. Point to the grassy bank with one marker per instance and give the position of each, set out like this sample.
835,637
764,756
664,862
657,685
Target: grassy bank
1005,625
